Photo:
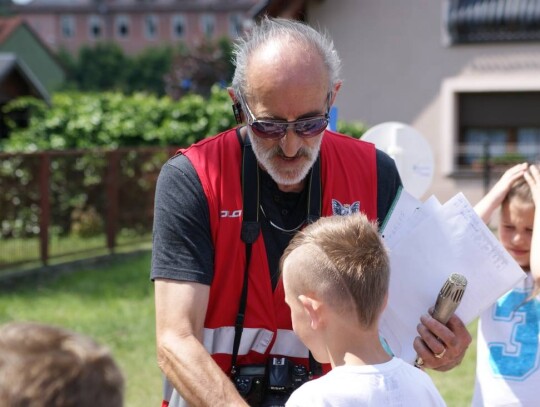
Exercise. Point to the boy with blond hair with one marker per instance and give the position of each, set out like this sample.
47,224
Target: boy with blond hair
336,273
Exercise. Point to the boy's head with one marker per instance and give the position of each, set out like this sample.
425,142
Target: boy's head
516,222
45,366
341,263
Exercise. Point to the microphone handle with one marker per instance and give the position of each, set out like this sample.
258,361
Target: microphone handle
447,302
444,308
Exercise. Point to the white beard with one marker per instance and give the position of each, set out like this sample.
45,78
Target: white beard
265,157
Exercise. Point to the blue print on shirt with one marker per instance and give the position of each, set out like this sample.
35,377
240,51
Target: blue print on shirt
518,359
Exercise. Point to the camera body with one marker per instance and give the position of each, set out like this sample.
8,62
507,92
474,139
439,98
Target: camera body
251,383
271,384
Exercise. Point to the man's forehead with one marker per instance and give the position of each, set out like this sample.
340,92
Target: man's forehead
275,57
288,83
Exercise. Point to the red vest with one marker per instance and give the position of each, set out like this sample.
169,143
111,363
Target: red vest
348,175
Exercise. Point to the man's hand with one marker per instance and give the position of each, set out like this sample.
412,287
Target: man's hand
441,347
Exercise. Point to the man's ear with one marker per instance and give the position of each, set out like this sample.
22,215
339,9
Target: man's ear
232,95
236,106
313,308
335,91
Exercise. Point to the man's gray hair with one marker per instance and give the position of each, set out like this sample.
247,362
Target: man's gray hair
278,28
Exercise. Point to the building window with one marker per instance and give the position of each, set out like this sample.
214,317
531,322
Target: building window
95,27
528,143
477,21
236,27
500,127
151,25
67,26
122,26
208,25
178,26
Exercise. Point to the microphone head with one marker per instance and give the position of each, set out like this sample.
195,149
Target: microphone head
457,279
449,297
453,287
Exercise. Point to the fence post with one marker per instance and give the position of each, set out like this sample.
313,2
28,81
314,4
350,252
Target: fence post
45,205
113,174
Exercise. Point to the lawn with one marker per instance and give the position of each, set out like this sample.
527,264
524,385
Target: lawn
115,305
457,385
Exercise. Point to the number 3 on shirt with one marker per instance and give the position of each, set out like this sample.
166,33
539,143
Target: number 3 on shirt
518,359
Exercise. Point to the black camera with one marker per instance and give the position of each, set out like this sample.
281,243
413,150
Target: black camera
284,376
251,383
271,385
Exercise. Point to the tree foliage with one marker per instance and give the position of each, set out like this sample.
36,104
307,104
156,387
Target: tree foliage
159,70
196,70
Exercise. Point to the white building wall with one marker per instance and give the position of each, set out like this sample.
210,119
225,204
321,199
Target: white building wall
394,64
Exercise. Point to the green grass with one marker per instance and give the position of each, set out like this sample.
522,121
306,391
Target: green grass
457,385
115,305
17,250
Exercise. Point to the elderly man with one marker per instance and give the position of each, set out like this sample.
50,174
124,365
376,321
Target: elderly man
227,207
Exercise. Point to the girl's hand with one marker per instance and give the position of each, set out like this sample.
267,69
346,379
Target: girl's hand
496,195
533,179
502,187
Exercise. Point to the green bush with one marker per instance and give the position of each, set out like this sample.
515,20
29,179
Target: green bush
110,119
354,129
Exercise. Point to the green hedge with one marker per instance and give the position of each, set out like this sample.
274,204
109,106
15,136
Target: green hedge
78,120
84,120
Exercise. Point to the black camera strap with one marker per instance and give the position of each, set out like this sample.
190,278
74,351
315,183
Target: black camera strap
251,229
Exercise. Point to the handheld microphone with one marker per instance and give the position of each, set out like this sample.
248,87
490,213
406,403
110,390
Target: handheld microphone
447,302
449,297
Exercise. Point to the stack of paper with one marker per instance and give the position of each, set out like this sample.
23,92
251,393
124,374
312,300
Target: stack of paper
427,242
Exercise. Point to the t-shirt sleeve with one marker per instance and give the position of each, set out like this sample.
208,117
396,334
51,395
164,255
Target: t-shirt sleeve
388,183
182,244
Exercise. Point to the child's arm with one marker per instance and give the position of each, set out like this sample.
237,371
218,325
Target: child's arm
496,195
533,179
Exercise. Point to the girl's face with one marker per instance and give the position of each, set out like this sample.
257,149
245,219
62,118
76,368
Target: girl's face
515,230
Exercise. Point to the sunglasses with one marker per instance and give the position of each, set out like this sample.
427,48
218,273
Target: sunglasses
275,129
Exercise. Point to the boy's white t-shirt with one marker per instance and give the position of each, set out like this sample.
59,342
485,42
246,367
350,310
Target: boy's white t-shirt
508,352
394,383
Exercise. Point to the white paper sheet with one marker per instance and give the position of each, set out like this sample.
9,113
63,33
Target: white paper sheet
438,241
406,213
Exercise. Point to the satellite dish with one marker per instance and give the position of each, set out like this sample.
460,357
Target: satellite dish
410,151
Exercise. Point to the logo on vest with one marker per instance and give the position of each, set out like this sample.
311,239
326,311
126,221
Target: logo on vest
344,209
231,214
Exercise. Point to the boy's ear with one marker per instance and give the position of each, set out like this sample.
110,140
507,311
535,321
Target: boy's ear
313,307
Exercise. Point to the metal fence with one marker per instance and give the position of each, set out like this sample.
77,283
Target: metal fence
56,204
62,203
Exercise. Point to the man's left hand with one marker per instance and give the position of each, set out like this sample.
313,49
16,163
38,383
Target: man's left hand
441,347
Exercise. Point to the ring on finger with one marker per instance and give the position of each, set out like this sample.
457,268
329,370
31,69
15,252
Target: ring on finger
440,355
